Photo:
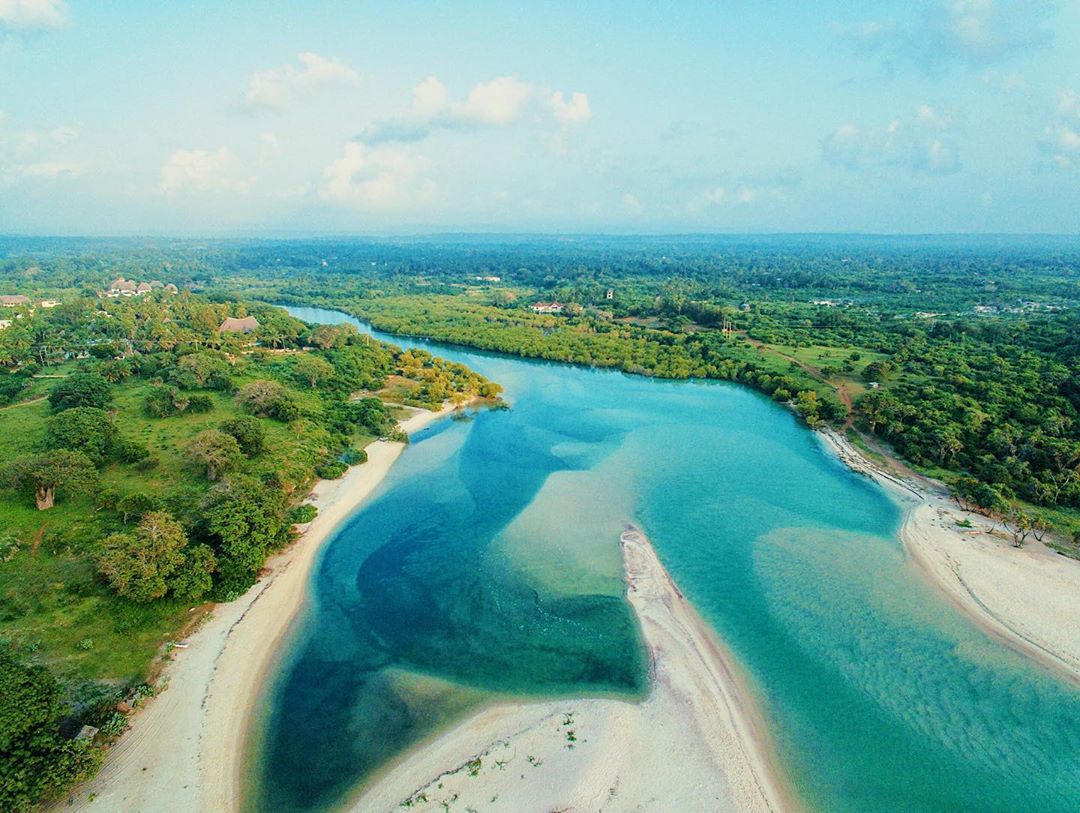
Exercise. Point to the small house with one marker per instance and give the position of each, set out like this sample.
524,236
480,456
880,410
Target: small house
14,301
50,303
547,307
232,324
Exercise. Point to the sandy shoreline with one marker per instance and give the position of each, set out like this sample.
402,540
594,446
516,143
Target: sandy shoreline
184,751
1029,598
697,743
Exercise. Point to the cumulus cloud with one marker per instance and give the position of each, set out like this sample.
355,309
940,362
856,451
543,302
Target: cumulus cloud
33,155
978,33
202,171
49,170
278,88
923,143
1060,140
32,15
501,102
377,178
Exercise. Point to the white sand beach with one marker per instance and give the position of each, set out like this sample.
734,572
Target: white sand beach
697,743
184,750
1027,597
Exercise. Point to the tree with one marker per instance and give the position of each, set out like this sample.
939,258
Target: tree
135,505
203,370
215,450
268,399
46,474
249,433
312,370
88,429
80,390
37,762
194,578
138,565
246,519
1020,524
163,402
327,336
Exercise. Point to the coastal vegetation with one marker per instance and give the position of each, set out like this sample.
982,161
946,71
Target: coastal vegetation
150,463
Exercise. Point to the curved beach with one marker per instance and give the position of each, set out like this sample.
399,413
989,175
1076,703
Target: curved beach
185,750
696,743
1029,598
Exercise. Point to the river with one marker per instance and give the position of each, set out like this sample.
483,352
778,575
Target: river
487,565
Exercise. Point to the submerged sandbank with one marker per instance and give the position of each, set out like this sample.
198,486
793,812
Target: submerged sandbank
697,743
1028,597
185,750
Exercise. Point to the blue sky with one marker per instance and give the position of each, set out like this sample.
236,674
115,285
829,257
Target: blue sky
123,117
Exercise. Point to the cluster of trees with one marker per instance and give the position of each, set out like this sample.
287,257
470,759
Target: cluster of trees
36,760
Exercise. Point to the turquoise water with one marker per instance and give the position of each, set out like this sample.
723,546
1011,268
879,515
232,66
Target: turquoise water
487,564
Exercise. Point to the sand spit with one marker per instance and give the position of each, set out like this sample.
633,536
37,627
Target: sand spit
697,743
1027,597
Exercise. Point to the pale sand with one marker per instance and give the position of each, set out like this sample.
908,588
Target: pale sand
1028,597
697,743
184,751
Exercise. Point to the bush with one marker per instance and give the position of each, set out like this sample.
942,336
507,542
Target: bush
249,433
269,400
200,404
80,390
330,470
134,506
303,514
128,451
352,457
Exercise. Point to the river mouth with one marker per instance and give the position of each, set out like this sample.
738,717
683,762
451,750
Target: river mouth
487,567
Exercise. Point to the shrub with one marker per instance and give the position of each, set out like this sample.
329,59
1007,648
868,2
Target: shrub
80,390
268,399
330,470
249,433
90,430
352,457
303,514
200,404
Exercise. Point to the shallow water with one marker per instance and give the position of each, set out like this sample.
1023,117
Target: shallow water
487,564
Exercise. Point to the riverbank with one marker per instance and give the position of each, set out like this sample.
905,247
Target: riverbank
185,750
697,743
1028,597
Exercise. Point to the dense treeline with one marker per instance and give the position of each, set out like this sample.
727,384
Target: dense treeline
152,461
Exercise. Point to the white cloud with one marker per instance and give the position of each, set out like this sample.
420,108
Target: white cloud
631,204
923,144
49,170
577,109
972,32
377,178
734,195
501,102
30,15
1061,137
278,88
202,171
